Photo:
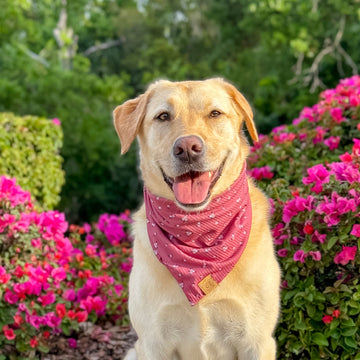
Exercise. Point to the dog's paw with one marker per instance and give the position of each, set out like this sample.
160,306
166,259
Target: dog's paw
131,355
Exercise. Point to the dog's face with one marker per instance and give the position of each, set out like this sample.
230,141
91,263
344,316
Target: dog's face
190,136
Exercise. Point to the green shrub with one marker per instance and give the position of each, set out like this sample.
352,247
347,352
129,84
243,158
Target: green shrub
29,151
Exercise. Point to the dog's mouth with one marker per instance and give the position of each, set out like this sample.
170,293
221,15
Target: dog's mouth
193,189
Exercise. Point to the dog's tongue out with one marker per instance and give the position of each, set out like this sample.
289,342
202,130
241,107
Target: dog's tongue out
192,188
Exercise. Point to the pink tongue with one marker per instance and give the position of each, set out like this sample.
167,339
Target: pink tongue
190,190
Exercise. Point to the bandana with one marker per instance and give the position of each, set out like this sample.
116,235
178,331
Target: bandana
200,248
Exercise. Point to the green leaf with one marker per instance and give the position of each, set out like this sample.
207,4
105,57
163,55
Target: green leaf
319,339
349,331
331,242
350,341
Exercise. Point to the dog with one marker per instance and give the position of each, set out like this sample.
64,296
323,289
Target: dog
205,280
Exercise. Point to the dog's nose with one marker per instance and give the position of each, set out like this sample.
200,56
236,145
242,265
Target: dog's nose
188,148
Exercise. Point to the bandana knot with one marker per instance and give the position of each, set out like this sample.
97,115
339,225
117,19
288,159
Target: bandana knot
200,248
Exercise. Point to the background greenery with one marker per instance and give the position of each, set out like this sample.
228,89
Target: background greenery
77,60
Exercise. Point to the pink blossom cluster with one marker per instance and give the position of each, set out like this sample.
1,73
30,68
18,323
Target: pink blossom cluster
260,173
51,279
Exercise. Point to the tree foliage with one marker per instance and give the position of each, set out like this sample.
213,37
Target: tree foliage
77,60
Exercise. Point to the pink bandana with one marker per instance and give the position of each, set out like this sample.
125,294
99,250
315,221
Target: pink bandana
200,248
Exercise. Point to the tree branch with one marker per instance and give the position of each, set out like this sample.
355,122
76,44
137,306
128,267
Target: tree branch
34,56
102,46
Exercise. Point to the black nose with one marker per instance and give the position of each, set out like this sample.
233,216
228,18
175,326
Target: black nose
188,148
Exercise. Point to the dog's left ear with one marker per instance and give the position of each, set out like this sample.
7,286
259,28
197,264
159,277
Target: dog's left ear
245,109
127,120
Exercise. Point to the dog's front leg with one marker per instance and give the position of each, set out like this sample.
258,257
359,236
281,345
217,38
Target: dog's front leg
150,351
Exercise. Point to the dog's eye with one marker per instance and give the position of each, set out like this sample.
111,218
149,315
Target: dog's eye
215,114
164,116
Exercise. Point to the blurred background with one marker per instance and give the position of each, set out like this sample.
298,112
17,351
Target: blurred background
75,60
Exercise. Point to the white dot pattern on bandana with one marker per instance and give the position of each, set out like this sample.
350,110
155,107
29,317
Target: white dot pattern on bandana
193,245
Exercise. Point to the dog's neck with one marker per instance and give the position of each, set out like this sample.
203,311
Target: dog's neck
200,248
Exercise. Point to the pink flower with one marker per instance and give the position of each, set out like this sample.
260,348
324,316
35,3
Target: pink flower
111,227
60,310
347,254
56,121
317,237
300,255
72,343
69,295
13,193
127,266
335,207
90,250
34,342
355,230
336,114
34,321
345,172
294,206
316,255
332,142
308,113
36,243
327,319
47,299
319,136
261,173
51,320
4,277
282,252
10,297
346,157
9,333
58,274
6,220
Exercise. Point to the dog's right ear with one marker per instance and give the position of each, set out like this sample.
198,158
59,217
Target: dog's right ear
127,120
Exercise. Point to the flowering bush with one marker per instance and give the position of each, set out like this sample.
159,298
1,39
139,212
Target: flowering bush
52,278
310,169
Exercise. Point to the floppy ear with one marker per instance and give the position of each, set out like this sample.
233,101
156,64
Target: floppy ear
127,120
245,109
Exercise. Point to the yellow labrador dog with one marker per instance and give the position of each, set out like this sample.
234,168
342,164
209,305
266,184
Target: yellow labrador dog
205,281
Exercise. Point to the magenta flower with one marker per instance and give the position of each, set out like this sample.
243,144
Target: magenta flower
332,142
294,206
347,254
300,255
13,193
72,343
319,136
282,252
317,237
69,295
4,277
355,230
56,121
51,320
34,321
316,255
337,115
10,297
47,299
58,274
261,173
318,175
345,171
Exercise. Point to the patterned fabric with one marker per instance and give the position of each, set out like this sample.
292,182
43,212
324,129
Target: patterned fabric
198,246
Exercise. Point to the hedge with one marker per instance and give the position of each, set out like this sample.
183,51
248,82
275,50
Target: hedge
29,151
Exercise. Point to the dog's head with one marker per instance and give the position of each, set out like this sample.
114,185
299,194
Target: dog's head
190,133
